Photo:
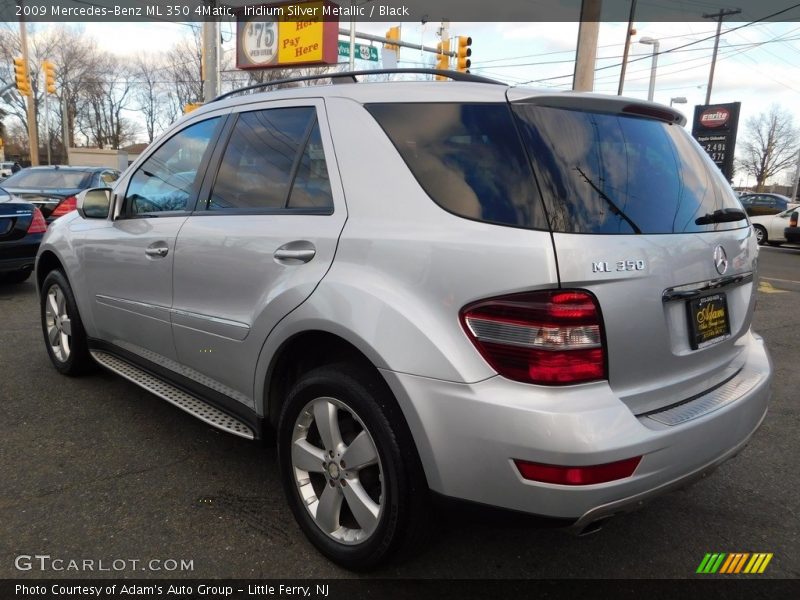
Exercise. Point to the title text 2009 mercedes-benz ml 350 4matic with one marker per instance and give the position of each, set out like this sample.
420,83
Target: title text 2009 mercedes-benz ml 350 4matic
535,301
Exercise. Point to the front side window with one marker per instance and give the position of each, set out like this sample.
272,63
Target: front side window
274,160
166,180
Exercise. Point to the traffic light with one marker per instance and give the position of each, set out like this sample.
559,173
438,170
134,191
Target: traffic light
21,76
442,58
393,34
463,52
49,76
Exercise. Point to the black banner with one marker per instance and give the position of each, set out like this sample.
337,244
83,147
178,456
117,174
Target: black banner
715,127
705,587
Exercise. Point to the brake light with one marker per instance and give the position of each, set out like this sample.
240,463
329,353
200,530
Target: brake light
793,219
578,475
547,338
38,224
67,205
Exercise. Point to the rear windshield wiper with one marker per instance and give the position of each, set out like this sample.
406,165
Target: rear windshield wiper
614,208
723,215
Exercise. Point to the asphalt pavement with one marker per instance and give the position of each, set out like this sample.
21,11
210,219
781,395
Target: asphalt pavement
94,468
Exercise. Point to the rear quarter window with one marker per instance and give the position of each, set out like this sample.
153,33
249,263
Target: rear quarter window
468,158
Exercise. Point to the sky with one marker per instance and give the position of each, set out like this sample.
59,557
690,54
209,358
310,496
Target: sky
758,63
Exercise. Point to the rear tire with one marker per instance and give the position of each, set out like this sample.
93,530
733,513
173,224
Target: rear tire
64,336
761,235
349,467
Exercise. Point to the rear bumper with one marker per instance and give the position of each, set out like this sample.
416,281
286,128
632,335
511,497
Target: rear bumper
468,435
19,255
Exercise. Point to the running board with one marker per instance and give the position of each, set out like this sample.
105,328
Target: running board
174,395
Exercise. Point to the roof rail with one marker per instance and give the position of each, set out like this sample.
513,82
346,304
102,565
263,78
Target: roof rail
453,75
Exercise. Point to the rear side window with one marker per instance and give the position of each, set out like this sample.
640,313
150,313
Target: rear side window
274,160
468,158
614,174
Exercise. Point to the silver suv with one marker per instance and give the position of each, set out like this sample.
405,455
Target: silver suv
535,301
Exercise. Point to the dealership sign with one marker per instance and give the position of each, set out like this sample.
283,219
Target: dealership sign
714,128
287,34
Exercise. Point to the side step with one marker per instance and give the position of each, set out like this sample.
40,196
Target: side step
166,391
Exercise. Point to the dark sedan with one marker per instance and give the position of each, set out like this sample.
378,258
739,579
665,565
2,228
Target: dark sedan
21,229
759,204
792,232
54,189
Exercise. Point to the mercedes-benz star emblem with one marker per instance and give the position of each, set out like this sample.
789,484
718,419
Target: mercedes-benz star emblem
720,260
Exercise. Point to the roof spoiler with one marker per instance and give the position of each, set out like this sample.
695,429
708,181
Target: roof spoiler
597,103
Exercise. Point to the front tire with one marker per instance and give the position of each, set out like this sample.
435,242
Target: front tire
64,336
349,467
761,235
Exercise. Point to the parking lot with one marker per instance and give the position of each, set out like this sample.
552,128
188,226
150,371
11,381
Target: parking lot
96,468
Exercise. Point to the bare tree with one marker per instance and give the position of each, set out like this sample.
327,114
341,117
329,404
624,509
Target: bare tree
770,145
149,93
184,75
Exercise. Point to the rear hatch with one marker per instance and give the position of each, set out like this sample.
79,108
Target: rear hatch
645,221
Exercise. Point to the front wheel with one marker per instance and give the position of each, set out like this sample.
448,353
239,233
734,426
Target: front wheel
349,467
761,235
64,336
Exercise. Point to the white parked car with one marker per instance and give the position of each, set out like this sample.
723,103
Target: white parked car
769,228
6,169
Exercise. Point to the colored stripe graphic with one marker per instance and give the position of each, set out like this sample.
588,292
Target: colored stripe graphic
733,563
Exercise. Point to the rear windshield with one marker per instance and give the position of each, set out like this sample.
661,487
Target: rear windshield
613,174
468,158
49,179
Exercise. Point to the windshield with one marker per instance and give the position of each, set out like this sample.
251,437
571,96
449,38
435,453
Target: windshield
49,178
613,174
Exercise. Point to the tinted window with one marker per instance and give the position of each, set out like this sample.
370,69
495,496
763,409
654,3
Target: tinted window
612,174
165,181
468,158
49,178
311,187
261,157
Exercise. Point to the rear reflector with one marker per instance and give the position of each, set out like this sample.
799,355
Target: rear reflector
67,205
549,338
38,224
578,475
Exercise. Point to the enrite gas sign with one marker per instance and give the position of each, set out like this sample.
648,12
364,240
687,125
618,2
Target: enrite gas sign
287,34
714,128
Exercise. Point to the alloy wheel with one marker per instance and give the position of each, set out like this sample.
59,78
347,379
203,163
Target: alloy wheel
57,323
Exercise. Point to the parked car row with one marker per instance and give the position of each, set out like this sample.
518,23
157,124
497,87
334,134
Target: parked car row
32,198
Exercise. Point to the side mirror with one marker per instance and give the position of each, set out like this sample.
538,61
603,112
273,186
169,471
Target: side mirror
94,203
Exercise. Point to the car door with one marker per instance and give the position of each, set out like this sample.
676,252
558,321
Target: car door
264,234
128,260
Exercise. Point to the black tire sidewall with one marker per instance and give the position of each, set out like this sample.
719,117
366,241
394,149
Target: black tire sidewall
374,408
79,360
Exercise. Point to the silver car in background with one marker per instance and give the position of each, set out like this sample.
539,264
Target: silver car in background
535,301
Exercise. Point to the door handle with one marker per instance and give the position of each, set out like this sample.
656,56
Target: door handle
295,253
157,250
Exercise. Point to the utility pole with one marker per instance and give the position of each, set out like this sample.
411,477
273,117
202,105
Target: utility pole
210,58
65,122
796,177
628,34
719,16
586,54
33,134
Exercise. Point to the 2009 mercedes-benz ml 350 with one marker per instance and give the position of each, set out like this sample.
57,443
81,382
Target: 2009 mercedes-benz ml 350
535,301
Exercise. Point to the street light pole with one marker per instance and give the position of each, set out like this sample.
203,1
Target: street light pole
648,41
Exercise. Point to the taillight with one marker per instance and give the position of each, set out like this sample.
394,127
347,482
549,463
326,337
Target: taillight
587,475
548,338
38,224
793,219
68,204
